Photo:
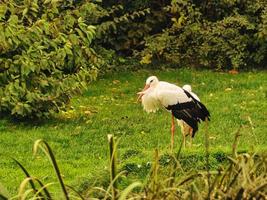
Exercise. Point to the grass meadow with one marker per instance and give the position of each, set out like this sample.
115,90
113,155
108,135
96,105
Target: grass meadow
78,137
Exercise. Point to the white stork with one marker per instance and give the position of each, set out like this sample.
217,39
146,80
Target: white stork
184,105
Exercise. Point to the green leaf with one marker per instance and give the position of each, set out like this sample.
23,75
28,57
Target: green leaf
18,109
47,1
25,11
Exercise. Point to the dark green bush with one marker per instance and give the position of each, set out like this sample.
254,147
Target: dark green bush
122,31
225,43
45,55
214,34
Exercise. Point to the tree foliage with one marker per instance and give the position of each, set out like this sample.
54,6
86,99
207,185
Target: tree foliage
45,55
215,34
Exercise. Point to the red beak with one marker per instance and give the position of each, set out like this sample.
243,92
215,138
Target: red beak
142,92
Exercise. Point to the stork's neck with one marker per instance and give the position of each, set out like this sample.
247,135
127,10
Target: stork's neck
152,88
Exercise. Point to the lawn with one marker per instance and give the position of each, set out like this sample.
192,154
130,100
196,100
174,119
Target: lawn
237,102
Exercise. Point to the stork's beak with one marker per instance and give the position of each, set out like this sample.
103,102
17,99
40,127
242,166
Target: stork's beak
142,93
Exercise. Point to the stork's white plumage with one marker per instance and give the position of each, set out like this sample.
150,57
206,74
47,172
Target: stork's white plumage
184,105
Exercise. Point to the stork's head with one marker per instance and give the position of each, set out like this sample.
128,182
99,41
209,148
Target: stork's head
151,82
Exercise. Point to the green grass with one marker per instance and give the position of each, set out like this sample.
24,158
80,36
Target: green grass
79,136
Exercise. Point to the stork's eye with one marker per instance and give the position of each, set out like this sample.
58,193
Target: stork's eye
151,81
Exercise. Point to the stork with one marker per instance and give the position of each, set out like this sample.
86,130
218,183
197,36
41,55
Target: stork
183,105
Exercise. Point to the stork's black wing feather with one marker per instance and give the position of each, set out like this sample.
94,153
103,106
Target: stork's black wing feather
204,113
191,112
187,118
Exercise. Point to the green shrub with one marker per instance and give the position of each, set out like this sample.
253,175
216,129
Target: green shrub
215,34
225,43
122,31
176,44
45,55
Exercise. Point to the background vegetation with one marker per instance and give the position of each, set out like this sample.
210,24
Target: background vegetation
51,51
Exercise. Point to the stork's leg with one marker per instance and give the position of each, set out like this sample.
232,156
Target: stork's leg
190,135
184,133
172,130
184,140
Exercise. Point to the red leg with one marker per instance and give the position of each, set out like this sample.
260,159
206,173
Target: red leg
172,130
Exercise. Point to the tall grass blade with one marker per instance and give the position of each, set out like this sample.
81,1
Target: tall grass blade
207,157
99,189
179,151
189,178
240,193
227,171
22,188
260,188
76,192
28,176
235,144
233,180
175,165
197,191
154,172
129,189
51,156
3,192
44,187
2,197
24,196
112,152
252,130
216,179
191,192
110,187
